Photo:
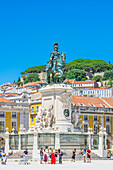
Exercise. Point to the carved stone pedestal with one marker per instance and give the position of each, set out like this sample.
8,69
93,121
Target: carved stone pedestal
58,98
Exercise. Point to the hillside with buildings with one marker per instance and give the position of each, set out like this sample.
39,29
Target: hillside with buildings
84,64
79,69
87,78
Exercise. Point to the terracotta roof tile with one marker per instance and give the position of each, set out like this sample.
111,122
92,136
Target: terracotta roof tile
84,82
69,81
34,92
28,85
88,101
108,100
5,100
7,94
43,82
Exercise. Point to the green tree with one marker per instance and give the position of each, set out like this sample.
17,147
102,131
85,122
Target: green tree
18,79
75,74
108,75
97,78
32,77
87,64
78,78
19,82
83,64
110,83
83,79
35,69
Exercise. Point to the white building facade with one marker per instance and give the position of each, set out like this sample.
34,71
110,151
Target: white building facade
95,92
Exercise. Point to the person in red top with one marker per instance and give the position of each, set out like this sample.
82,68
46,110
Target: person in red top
53,161
88,155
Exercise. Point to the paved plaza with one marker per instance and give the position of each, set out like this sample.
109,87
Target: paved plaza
78,165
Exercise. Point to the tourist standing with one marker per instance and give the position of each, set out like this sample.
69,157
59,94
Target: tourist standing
84,155
73,155
47,152
53,158
60,156
56,154
50,152
41,155
45,156
88,155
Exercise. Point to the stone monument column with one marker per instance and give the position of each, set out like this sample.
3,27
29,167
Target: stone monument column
19,146
102,148
35,146
6,141
57,140
89,137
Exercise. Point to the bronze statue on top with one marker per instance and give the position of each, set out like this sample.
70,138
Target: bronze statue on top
56,64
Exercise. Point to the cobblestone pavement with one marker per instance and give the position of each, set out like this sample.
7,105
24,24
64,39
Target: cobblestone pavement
78,165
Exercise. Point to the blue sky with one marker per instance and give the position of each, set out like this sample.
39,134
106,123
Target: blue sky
28,29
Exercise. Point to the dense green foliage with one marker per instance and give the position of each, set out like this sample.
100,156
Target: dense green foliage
19,82
35,69
108,75
97,78
75,74
83,64
110,83
87,65
74,70
83,79
32,77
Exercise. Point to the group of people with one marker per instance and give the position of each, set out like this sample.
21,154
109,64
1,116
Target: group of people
3,155
84,153
50,156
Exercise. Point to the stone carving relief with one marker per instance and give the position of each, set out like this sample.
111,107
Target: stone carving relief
65,98
76,121
45,118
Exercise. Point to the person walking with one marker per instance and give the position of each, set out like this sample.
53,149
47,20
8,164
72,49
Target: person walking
73,155
88,155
